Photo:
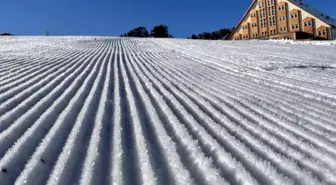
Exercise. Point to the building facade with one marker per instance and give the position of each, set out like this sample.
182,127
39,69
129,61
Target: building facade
284,19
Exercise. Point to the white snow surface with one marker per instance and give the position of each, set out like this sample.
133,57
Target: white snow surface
104,110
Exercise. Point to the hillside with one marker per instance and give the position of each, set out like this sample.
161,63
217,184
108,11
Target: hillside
84,110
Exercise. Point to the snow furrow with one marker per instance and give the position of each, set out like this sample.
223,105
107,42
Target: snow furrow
144,167
221,154
280,161
233,104
178,172
52,143
124,111
321,129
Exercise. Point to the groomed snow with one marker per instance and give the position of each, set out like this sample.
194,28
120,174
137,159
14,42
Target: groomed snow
104,110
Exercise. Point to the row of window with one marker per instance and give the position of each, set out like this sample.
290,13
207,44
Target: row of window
294,15
280,8
288,37
271,11
264,33
270,2
309,23
273,32
283,29
254,35
272,21
320,33
282,18
261,4
262,13
263,23
295,26
324,32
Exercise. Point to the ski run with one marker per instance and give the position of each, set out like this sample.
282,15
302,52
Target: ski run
104,110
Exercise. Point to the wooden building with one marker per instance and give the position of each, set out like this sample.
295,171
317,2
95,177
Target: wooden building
284,19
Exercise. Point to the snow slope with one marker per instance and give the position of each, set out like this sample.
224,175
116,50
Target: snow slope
83,110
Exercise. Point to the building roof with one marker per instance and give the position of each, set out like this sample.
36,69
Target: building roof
324,17
299,3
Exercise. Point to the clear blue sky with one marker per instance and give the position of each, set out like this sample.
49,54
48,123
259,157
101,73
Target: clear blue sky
113,17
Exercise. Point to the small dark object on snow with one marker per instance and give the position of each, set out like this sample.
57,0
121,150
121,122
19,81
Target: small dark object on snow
42,160
4,170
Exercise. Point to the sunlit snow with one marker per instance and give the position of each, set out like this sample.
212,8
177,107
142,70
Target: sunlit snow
104,110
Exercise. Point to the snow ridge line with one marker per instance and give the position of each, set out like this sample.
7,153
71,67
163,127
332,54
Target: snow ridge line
51,144
331,98
319,130
27,74
232,105
146,175
241,173
178,172
104,110
214,130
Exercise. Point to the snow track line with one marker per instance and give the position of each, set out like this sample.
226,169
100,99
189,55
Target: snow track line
273,118
145,169
166,146
226,122
68,165
124,111
222,153
192,87
27,74
12,114
271,98
52,143
330,98
200,120
269,85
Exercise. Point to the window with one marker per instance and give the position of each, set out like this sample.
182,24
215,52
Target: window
305,24
284,18
280,18
288,37
281,29
295,26
309,23
281,7
324,32
285,28
292,16
320,33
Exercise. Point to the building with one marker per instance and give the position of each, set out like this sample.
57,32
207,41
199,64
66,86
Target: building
284,19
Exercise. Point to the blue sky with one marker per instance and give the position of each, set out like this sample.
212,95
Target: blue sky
113,17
